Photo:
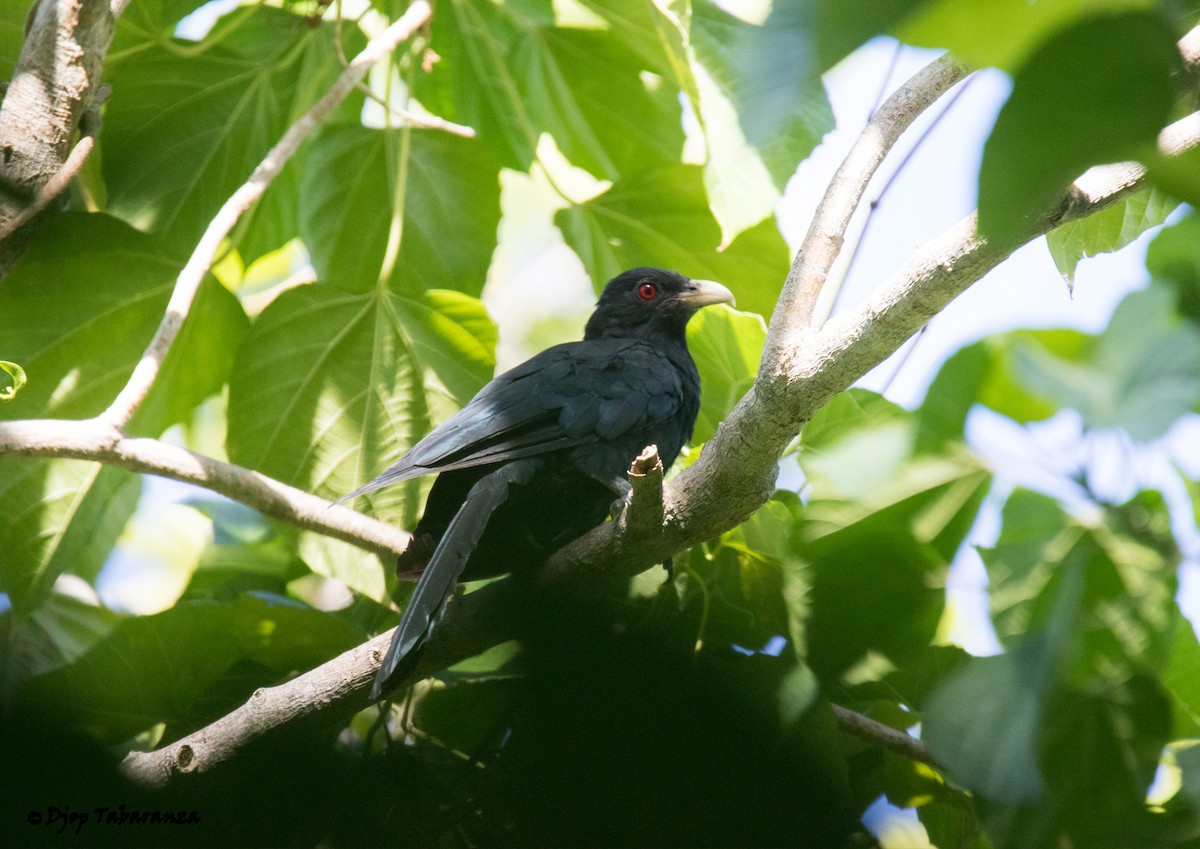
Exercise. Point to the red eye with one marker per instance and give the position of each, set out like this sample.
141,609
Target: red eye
647,291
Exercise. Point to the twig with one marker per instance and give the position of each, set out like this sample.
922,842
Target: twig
188,283
889,738
99,440
415,119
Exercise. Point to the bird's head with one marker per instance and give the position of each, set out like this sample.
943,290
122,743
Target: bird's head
651,300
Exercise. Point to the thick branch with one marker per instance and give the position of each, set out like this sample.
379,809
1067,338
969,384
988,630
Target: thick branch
734,475
713,494
823,242
98,440
188,283
55,78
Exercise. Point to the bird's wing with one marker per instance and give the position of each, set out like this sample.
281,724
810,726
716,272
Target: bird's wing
569,395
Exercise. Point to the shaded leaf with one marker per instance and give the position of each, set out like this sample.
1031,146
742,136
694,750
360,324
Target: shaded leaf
189,128
1174,257
1110,114
148,669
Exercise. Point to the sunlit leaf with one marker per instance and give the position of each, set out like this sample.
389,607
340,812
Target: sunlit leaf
17,379
79,341
511,73
332,386
449,190
662,218
1108,230
726,345
1001,33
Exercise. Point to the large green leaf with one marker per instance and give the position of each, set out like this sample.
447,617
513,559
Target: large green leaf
1108,230
983,723
846,24
1111,113
188,664
1174,257
879,530
1001,33
78,310
756,92
516,70
662,218
450,195
332,386
726,345
186,128
1141,376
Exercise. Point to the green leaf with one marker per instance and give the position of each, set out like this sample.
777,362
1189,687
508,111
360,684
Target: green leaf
873,588
756,92
56,633
983,724
662,218
189,127
726,345
450,186
512,72
847,24
12,34
1174,257
1181,678
18,378
1143,374
1111,113
327,411
1108,230
188,664
80,339
1001,33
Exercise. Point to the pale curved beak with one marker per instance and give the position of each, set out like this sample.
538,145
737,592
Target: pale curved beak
701,293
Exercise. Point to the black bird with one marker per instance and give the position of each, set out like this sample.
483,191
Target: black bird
537,457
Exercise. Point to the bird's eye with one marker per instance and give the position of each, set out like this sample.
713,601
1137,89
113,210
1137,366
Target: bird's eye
647,291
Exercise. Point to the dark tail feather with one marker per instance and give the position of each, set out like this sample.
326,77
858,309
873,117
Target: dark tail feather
445,565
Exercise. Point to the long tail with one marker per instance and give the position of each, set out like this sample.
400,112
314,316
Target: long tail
446,564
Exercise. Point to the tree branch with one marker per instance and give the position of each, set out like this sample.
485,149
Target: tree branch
54,80
99,440
735,473
188,283
875,732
